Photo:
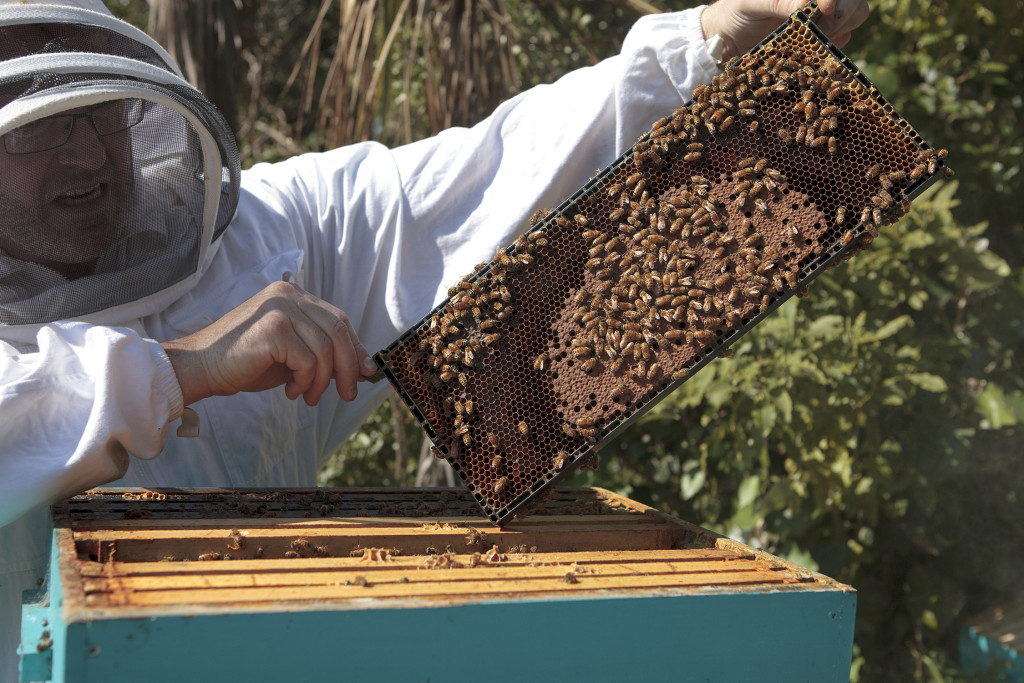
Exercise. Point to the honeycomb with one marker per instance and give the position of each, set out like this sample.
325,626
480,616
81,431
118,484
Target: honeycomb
787,162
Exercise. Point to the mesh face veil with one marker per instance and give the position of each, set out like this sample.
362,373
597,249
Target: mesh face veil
116,175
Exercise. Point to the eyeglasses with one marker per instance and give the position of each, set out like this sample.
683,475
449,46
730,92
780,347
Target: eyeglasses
50,133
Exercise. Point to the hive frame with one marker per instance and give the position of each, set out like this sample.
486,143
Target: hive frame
438,402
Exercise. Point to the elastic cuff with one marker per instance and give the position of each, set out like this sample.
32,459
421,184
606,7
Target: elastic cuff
707,59
166,382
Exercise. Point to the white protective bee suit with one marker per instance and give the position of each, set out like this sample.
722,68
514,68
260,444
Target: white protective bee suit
380,233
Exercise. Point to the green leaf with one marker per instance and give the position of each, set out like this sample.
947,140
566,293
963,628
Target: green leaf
691,483
928,382
747,492
887,330
995,408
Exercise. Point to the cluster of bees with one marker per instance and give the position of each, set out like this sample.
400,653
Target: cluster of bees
457,338
683,244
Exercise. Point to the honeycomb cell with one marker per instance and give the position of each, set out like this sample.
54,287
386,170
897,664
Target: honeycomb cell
786,161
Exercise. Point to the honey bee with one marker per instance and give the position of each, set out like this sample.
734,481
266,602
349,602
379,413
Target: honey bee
581,352
467,439
541,362
653,371
840,215
500,485
523,428
847,238
873,171
588,365
493,439
463,380
560,459
568,429
496,462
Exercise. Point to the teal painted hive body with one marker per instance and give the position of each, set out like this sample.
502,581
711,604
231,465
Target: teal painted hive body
403,584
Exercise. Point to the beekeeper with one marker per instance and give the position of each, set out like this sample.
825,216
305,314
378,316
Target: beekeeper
141,273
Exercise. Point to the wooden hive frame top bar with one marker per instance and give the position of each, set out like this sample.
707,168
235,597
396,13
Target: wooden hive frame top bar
137,552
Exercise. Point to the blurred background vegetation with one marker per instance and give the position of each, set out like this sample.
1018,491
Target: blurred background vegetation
872,431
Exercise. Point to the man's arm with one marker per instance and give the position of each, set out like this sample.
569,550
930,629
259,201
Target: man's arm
282,335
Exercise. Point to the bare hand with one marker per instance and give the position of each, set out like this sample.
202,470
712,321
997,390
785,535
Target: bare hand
283,335
744,23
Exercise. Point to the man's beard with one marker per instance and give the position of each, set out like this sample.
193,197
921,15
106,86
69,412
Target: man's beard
72,220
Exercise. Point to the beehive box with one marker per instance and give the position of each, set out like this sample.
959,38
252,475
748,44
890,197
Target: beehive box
785,163
412,584
992,644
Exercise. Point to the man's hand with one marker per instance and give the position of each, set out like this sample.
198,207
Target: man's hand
282,335
743,23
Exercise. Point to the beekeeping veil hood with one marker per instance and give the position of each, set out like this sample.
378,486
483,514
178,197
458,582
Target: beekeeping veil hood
116,175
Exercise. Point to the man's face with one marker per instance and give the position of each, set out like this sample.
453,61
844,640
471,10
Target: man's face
63,207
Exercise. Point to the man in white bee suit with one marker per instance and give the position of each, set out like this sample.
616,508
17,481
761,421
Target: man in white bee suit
141,273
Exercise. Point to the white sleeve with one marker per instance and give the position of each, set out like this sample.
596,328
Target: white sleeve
71,412
469,191
408,222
